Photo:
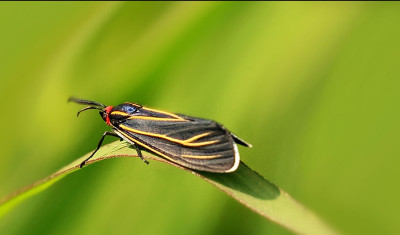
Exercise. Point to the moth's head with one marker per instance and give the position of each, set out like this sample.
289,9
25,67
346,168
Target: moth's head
111,115
105,114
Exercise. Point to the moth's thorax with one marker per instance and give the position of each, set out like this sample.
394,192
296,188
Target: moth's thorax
118,114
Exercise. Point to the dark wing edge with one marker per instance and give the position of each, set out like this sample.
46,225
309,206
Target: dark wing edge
240,141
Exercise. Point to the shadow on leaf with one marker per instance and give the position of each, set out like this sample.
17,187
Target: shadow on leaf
246,181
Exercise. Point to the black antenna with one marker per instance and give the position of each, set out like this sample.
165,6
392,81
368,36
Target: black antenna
87,102
89,107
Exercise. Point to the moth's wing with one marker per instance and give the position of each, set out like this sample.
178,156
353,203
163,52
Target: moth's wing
195,143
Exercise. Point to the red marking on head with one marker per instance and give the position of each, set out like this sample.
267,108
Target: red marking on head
108,110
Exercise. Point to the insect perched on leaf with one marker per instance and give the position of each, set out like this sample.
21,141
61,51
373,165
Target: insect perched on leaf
194,143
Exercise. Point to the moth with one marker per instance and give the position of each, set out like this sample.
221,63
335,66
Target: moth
195,143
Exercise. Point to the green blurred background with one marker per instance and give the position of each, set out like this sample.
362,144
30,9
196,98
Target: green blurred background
315,87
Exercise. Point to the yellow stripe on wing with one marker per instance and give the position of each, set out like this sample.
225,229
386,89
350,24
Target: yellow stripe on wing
182,142
157,118
119,113
196,137
147,147
164,112
200,156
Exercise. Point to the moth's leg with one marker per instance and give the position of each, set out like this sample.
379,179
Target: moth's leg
139,152
98,146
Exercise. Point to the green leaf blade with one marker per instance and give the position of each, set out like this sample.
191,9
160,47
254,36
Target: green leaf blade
244,185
